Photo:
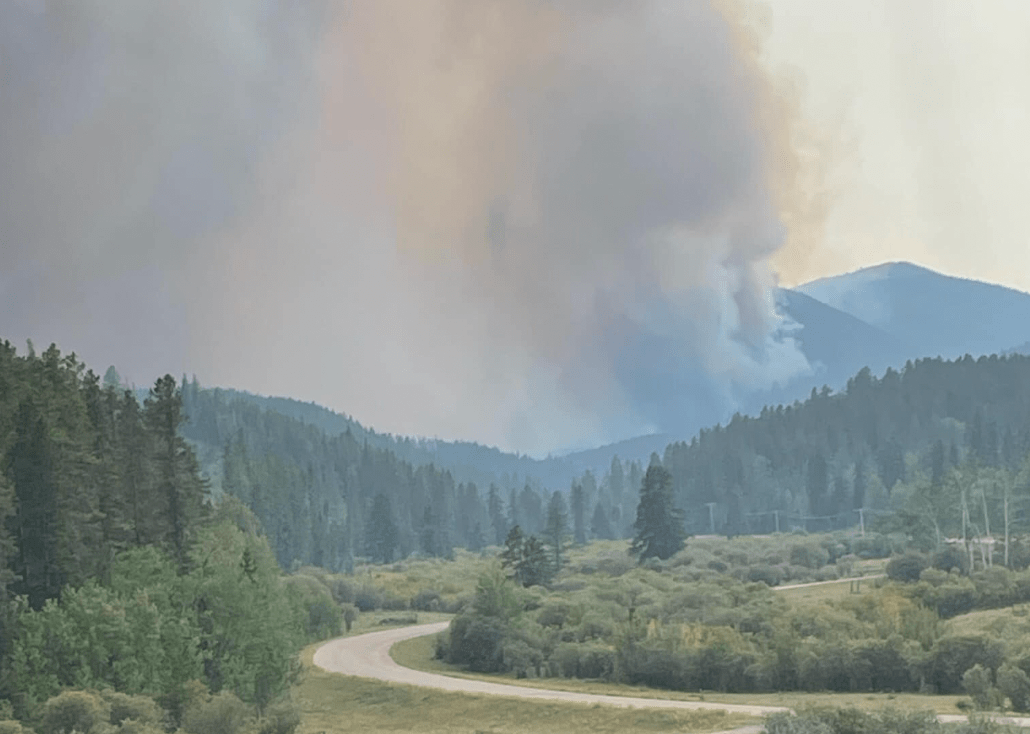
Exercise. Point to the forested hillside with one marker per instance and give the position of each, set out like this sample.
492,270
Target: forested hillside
467,461
814,464
116,572
326,499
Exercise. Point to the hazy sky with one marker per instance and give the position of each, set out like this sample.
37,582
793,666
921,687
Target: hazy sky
932,107
531,224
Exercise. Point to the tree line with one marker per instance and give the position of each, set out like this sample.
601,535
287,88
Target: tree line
116,570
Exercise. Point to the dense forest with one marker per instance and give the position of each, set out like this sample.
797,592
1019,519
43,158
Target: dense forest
815,464
885,446
117,574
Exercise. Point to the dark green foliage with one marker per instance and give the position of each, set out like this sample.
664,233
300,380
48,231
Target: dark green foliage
907,567
137,708
179,493
1014,684
659,525
853,721
556,531
600,526
74,712
527,559
283,718
382,533
577,499
223,713
978,684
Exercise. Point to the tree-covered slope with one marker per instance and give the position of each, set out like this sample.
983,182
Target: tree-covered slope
840,452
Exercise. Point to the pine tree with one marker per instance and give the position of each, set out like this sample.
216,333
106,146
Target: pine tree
495,508
659,525
600,525
35,524
180,490
556,530
579,510
382,533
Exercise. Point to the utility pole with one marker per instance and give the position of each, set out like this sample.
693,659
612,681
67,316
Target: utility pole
776,513
861,521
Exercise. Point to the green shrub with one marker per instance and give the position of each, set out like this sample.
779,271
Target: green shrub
350,614
132,726
13,727
907,568
282,718
74,711
1014,684
141,708
977,683
223,713
427,600
768,575
809,555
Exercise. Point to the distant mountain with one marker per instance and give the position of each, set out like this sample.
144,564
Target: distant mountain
877,317
930,313
836,344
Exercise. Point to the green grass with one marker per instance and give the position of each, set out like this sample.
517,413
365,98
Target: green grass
418,654
336,704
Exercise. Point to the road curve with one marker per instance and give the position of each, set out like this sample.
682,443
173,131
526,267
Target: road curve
368,656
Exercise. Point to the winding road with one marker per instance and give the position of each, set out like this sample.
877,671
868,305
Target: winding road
368,656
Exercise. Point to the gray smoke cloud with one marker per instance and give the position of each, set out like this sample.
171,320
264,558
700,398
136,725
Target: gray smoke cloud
533,224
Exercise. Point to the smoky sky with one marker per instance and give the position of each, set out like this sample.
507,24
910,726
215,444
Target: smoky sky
536,225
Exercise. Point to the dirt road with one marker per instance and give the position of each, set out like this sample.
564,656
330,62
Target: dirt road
368,656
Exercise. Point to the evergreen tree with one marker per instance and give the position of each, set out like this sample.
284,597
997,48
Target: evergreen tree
659,525
579,524
495,508
35,523
382,537
600,525
180,491
512,555
556,530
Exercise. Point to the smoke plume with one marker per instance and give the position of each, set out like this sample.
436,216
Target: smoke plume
532,224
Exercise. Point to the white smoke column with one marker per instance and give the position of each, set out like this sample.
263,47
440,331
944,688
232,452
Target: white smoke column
527,223
583,194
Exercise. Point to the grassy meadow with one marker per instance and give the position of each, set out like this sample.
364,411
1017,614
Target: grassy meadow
709,584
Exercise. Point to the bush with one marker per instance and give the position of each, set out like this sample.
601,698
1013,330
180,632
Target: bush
768,575
426,600
341,589
74,711
853,721
367,598
906,568
283,718
1014,684
350,614
139,708
132,726
810,555
977,683
949,558
13,727
220,714
476,642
